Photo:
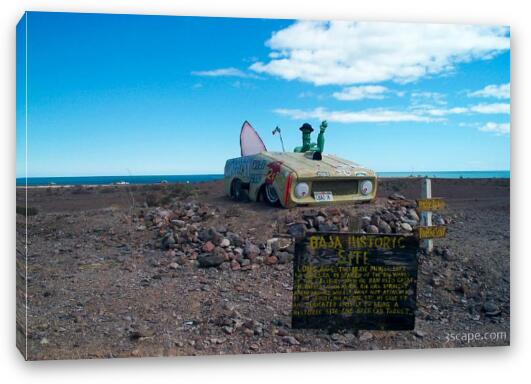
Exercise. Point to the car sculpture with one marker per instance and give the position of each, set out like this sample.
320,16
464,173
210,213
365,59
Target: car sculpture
306,176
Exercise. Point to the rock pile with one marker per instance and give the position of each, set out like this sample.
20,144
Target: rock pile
185,231
185,234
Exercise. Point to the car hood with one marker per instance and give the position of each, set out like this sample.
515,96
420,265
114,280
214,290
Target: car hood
330,165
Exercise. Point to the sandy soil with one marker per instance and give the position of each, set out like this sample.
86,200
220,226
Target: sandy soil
100,285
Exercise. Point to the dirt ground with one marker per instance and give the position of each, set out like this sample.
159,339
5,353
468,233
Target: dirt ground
100,285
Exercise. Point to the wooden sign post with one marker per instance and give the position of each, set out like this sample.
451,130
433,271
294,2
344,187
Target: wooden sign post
425,218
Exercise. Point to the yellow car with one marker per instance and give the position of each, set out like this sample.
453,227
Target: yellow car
295,178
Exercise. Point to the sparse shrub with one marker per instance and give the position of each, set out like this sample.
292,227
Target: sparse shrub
31,211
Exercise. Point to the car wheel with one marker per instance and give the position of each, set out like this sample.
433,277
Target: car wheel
238,193
270,195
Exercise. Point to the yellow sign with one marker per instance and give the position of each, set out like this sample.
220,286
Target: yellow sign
433,232
430,204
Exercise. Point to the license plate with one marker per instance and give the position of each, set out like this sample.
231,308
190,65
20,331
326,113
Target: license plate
323,196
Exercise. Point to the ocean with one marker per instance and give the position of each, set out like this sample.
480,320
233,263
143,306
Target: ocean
157,179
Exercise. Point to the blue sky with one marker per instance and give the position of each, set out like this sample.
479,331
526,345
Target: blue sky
122,94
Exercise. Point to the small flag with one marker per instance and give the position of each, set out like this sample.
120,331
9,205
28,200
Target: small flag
276,130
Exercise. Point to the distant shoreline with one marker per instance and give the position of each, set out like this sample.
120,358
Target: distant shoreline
93,181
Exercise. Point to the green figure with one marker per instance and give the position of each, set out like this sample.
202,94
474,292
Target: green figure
307,145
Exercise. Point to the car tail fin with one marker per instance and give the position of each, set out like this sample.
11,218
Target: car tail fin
250,141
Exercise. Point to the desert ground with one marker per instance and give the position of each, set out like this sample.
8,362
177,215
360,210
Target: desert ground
168,270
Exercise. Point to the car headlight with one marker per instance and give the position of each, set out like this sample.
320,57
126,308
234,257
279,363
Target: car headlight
302,189
366,187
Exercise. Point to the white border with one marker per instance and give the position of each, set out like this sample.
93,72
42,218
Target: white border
467,365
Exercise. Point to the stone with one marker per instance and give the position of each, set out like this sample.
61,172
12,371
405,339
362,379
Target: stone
271,260
178,223
174,265
297,230
372,229
413,214
284,257
397,196
438,220
168,240
251,251
235,266
406,227
208,247
447,255
375,220
224,243
365,336
207,260
271,246
365,221
384,227
420,333
235,239
328,228
290,340
491,309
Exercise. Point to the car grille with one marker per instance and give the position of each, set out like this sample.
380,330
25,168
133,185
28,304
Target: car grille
337,187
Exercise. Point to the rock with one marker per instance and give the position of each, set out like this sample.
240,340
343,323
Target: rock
420,333
254,347
365,221
178,223
290,340
251,251
297,230
224,243
491,309
328,228
271,246
174,265
271,260
208,247
388,216
228,330
284,257
235,266
235,239
448,255
384,227
411,222
372,229
245,262
207,260
365,336
413,214
406,227
375,220
397,196
168,240
438,220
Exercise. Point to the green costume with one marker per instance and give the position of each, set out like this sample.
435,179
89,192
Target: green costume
307,145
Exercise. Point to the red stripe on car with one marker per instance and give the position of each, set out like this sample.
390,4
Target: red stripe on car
288,188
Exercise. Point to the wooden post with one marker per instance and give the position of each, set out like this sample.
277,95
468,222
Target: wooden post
425,217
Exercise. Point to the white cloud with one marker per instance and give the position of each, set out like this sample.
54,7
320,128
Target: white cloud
430,97
380,115
498,128
342,53
489,109
495,108
365,116
502,91
361,92
229,72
